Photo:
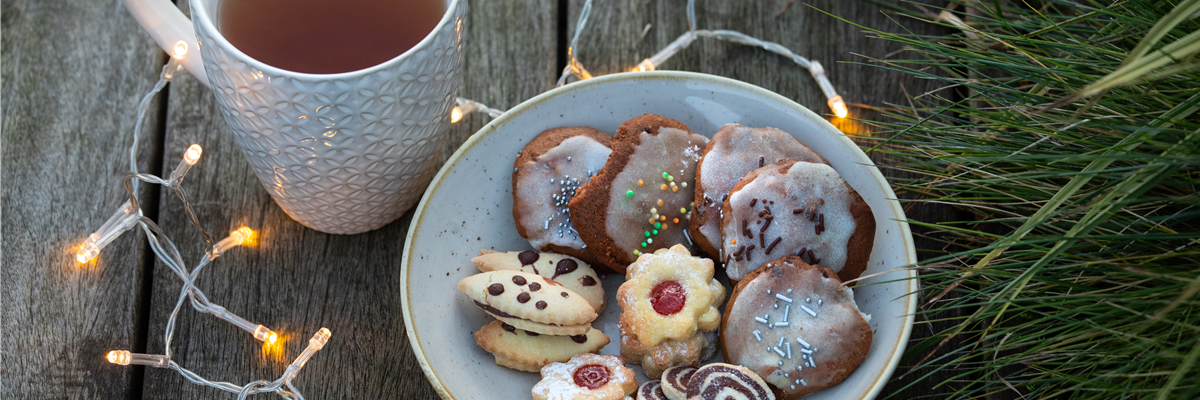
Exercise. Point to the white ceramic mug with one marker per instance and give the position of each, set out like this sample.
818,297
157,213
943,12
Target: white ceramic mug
340,153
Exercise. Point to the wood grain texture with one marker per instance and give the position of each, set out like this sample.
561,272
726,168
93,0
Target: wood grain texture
296,280
613,42
74,73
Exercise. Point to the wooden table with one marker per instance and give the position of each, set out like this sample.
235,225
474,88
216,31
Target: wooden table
73,73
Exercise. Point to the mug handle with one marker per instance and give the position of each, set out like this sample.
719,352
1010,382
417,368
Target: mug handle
167,25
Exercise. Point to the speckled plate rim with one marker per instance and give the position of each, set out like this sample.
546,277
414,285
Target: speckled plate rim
418,215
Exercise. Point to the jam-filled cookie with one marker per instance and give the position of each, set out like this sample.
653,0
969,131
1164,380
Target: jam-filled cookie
530,351
571,272
727,382
640,201
651,390
586,377
731,154
655,360
801,209
546,175
795,325
529,302
675,380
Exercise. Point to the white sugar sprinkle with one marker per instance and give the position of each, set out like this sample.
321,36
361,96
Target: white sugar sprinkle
793,386
787,310
781,363
781,340
802,342
760,319
806,351
803,382
776,305
768,291
772,326
808,299
785,323
789,350
789,291
819,301
777,350
808,310
782,297
757,336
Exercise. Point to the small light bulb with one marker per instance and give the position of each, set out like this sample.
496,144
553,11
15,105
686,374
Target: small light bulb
239,237
645,65
87,252
193,154
264,334
120,357
181,48
455,115
272,338
242,234
839,106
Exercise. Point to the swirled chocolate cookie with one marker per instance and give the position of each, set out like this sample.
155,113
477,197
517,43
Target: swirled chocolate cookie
545,176
640,201
796,208
795,325
727,382
731,154
675,380
586,377
651,390
529,302
571,272
530,351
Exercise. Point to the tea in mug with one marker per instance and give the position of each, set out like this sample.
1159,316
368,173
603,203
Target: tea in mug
325,36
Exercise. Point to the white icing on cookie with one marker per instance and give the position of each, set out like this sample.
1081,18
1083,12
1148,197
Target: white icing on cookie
807,199
547,184
736,151
631,207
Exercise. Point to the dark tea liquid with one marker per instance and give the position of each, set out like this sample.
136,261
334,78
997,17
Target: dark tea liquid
326,36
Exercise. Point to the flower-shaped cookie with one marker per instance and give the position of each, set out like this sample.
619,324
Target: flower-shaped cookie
669,295
586,377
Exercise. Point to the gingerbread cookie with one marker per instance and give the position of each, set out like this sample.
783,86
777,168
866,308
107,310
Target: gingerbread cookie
651,391
669,295
655,360
795,325
586,376
731,154
725,381
571,272
529,351
530,302
640,201
796,208
546,175
675,380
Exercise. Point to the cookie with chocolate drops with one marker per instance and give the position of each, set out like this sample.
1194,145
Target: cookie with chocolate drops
586,376
795,325
675,380
546,175
641,200
731,154
727,382
515,297
571,272
530,351
670,353
796,208
651,390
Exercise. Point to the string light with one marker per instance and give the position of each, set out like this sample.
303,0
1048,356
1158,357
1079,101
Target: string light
129,216
575,69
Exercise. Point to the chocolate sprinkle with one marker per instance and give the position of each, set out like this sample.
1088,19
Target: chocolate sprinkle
534,286
797,210
495,289
812,257
587,281
748,250
753,202
762,241
528,257
519,280
541,305
532,333
801,253
508,328
523,297
761,160
579,338
739,251
565,295
772,246
766,225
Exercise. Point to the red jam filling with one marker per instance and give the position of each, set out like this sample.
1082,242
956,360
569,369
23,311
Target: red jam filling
668,297
591,376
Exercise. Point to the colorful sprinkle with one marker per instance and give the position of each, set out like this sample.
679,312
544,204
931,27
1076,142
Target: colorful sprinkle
684,184
641,183
643,244
683,211
734,241
676,220
674,188
666,175
658,225
647,233
662,218
664,187
660,202
629,193
655,231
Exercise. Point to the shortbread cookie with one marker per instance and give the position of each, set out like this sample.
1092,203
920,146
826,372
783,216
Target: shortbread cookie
674,381
516,295
571,272
796,208
640,201
795,325
545,176
654,360
529,351
651,390
545,329
586,376
731,154
725,381
669,295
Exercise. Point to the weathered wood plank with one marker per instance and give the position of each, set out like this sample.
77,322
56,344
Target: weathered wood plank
74,72
613,41
296,280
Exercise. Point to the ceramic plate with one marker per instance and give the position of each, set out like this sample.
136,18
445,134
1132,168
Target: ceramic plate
468,207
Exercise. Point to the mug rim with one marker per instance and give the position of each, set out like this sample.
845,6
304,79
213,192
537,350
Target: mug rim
200,14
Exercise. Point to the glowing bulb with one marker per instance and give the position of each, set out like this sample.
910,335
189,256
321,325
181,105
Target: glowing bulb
272,338
87,252
264,334
645,65
319,339
193,153
181,48
455,115
124,357
120,357
839,106
236,238
316,343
